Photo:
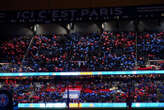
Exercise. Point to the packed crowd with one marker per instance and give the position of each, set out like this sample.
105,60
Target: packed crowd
92,89
150,46
52,90
107,51
148,90
14,50
90,52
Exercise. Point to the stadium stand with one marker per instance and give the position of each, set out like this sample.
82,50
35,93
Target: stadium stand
142,88
107,51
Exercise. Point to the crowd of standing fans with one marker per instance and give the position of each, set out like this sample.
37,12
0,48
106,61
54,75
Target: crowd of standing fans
107,51
143,88
75,52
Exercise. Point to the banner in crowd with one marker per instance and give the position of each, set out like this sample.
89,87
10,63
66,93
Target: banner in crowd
87,14
74,93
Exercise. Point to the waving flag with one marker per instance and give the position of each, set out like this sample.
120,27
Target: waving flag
74,93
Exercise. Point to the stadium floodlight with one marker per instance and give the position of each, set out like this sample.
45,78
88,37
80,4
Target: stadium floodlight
162,14
36,27
131,22
102,26
69,26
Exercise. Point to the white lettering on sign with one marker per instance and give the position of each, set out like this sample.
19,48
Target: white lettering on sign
25,14
84,12
73,12
103,12
43,14
64,13
55,14
94,13
118,11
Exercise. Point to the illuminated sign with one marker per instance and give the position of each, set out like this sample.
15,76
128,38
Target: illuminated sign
84,73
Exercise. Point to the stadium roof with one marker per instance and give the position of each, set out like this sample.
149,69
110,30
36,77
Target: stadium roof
62,4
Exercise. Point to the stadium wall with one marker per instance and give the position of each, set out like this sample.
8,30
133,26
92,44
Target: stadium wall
14,30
